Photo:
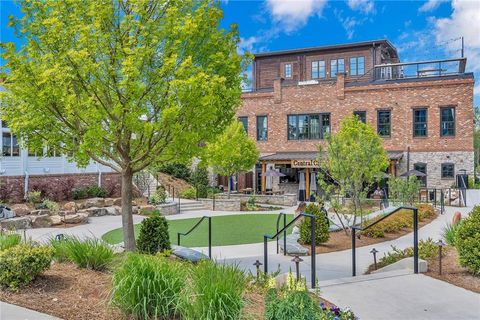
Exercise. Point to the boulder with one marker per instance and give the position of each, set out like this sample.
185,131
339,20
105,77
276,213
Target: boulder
113,211
56,220
117,202
188,254
94,202
16,223
147,209
76,218
40,212
70,206
20,209
41,221
134,210
109,202
6,212
65,212
96,212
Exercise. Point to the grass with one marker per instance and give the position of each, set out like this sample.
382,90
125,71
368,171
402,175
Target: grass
9,240
226,230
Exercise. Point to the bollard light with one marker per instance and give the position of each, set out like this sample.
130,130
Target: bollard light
257,264
440,244
374,252
297,261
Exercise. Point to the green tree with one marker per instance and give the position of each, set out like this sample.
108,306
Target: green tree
404,190
233,151
354,158
125,83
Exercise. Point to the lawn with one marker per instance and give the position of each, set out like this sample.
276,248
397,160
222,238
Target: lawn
226,230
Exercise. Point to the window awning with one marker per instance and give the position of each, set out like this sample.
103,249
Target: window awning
309,155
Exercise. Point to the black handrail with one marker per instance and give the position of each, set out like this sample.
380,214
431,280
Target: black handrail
313,245
415,237
284,232
179,234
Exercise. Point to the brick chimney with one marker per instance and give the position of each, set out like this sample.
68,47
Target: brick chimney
277,90
341,86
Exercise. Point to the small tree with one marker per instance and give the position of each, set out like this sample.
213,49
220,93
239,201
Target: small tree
233,152
354,158
403,190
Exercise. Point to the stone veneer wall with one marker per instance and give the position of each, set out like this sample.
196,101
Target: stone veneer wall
168,209
434,160
281,200
222,204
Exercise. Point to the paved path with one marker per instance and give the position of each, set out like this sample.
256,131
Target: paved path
13,312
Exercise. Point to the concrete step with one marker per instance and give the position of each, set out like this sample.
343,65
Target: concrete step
364,277
191,206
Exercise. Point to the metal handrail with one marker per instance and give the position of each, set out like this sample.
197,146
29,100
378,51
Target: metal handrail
284,232
313,245
179,234
415,237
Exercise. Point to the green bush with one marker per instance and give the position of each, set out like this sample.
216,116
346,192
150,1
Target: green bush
19,265
89,192
149,287
449,233
34,197
321,222
199,179
89,253
218,291
154,235
211,191
293,305
467,241
159,197
9,240
60,249
427,249
51,205
176,170
189,193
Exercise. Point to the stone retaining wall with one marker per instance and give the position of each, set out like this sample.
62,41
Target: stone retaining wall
168,209
280,200
222,204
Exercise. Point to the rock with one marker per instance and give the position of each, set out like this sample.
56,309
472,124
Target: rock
96,212
70,206
20,209
109,202
147,209
293,247
65,212
41,221
40,212
117,202
94,202
188,254
56,220
76,218
6,213
113,211
134,210
16,223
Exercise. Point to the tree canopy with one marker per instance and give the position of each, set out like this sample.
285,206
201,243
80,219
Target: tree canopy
125,83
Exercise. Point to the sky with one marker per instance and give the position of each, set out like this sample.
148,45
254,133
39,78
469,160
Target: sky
420,30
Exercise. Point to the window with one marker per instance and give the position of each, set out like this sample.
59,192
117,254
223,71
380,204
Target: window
447,121
288,70
318,69
448,171
357,66
244,121
383,128
262,128
10,147
308,126
422,167
362,115
336,66
420,122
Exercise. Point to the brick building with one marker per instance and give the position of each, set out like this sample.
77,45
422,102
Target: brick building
422,110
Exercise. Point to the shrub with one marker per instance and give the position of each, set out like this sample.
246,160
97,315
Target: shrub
159,197
449,233
291,306
19,265
211,191
89,253
426,211
218,291
34,197
89,192
427,249
321,222
9,240
199,179
189,193
60,249
467,241
177,170
51,205
58,191
148,287
154,235
396,222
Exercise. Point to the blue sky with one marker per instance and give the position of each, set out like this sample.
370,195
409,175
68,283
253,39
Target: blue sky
420,30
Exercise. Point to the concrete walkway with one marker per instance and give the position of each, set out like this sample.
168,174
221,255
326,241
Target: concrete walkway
13,312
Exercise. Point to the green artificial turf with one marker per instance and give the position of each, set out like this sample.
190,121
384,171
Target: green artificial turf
226,230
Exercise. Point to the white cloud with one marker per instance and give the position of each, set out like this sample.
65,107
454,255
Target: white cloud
349,23
430,5
365,6
292,15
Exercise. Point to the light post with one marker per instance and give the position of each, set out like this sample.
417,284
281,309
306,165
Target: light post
257,264
374,252
440,244
297,261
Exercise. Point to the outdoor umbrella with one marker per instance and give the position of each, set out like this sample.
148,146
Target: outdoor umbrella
413,172
301,187
272,173
313,185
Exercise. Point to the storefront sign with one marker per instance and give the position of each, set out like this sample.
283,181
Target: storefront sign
305,164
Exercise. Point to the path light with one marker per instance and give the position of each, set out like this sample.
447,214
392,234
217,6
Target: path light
60,237
257,264
374,252
297,261
440,244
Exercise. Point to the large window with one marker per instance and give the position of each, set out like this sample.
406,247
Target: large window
288,70
448,171
244,121
361,115
447,121
422,167
10,147
357,66
262,128
384,124
420,122
308,126
336,66
318,69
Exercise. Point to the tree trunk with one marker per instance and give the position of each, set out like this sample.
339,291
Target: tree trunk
229,187
127,219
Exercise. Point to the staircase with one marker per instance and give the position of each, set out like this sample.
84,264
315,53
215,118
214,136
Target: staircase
190,205
146,183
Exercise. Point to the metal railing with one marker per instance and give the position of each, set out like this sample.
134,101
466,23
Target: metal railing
415,237
284,232
313,244
179,234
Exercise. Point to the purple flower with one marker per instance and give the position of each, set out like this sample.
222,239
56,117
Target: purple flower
335,310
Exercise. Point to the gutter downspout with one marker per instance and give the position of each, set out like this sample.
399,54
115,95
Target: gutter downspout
25,189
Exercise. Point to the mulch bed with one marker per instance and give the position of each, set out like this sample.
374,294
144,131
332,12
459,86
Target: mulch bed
67,292
452,272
